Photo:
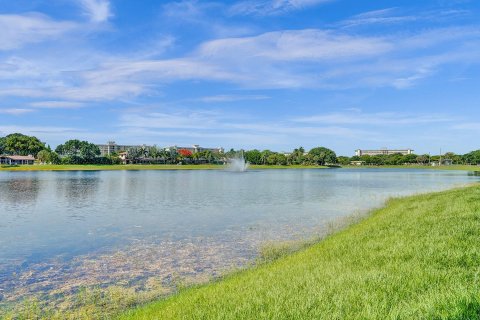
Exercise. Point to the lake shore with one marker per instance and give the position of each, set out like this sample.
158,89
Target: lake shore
143,167
452,167
214,167
414,258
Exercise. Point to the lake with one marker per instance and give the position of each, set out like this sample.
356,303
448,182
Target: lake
60,231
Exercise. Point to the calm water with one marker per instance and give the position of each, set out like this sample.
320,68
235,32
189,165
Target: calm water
68,229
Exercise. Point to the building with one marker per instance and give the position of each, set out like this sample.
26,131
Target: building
385,151
357,163
196,148
112,147
16,160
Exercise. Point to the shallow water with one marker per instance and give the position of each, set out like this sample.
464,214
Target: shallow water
63,230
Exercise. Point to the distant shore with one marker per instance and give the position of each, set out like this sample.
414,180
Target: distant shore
452,167
85,167
61,167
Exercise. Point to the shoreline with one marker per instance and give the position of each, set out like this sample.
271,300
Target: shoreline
159,167
141,167
239,295
272,255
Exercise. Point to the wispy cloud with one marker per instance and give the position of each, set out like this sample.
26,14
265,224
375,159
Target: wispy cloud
57,104
295,45
309,58
390,16
18,30
97,10
15,111
356,117
232,98
231,129
272,7
383,16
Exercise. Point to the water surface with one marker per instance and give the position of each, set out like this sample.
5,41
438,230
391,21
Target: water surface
63,230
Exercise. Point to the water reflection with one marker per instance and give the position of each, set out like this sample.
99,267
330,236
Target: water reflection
79,188
98,227
19,191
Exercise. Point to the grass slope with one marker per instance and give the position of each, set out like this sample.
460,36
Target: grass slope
452,167
417,258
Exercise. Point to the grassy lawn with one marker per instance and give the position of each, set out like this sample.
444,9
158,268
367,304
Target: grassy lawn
453,167
417,258
138,167
64,167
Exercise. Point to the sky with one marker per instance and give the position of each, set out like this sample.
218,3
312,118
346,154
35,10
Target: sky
266,74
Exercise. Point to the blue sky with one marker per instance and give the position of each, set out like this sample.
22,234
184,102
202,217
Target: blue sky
274,74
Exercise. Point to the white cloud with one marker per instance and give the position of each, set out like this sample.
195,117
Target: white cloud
295,45
271,7
97,10
57,104
232,98
308,58
15,111
356,117
207,126
18,30
391,16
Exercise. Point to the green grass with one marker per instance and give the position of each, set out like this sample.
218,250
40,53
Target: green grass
62,167
417,258
453,167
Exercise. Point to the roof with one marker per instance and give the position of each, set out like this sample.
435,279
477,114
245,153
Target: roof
19,157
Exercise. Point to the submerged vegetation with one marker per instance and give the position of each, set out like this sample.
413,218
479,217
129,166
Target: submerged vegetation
417,258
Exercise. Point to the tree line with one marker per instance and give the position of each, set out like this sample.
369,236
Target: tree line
471,158
83,152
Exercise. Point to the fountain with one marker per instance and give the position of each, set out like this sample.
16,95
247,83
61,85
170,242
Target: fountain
238,164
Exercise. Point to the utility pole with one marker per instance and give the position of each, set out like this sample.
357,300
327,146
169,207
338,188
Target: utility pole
440,161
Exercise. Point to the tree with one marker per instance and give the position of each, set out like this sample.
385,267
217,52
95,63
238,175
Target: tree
280,159
423,159
77,152
43,156
264,156
344,161
2,142
297,156
55,158
271,159
20,144
69,148
89,151
410,158
231,153
253,156
185,153
322,156
134,154
154,152
472,157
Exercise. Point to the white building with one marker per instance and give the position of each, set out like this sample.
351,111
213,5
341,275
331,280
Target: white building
112,147
384,151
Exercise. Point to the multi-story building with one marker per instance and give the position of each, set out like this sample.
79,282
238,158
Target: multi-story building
196,148
112,147
385,151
